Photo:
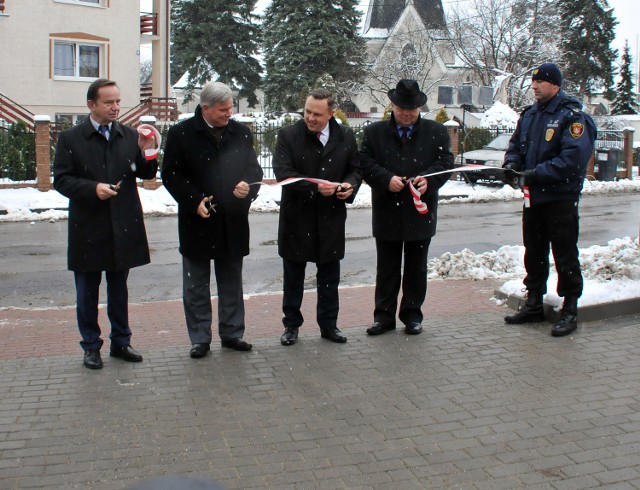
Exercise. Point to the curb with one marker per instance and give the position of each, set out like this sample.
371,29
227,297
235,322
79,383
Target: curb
588,313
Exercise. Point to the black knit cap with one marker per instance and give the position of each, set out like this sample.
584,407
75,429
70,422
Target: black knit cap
548,72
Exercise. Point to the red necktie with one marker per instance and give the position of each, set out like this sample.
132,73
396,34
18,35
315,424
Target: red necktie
403,137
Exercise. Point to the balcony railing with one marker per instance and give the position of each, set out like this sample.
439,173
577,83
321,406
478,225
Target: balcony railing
148,23
12,112
146,91
162,108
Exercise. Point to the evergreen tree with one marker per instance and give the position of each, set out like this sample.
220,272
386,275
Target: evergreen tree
624,101
587,30
218,40
304,40
442,116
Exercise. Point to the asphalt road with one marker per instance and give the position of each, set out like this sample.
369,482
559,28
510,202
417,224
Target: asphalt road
33,255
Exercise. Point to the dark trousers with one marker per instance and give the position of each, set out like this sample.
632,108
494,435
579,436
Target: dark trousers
196,298
390,275
553,224
327,279
87,295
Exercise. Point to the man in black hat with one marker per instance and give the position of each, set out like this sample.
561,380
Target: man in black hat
548,156
395,156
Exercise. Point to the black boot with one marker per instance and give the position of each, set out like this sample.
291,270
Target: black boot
568,321
532,310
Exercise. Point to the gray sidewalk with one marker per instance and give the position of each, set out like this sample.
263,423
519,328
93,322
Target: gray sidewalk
470,403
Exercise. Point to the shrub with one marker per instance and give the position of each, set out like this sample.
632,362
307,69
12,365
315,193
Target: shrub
18,154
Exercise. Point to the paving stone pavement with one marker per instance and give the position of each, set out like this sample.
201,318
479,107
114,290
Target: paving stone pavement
471,403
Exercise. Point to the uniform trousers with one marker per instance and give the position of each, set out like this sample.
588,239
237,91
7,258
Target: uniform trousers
327,280
390,275
196,298
554,225
87,296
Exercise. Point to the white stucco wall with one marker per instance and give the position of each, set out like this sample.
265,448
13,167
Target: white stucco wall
26,59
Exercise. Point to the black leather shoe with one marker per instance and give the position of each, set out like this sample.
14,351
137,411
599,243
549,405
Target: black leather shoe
126,353
92,359
199,350
290,336
413,328
333,334
379,328
237,344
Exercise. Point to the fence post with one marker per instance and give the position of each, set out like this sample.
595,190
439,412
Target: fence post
628,150
453,128
43,152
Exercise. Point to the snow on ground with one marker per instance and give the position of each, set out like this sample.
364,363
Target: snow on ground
611,272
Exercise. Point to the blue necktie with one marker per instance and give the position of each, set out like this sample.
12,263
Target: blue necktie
104,131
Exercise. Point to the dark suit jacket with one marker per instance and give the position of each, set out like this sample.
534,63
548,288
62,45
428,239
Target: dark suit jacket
103,235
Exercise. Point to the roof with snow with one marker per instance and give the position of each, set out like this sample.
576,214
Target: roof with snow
383,14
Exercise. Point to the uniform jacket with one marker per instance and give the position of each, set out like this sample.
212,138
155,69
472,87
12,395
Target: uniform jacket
383,155
312,226
104,235
557,142
194,167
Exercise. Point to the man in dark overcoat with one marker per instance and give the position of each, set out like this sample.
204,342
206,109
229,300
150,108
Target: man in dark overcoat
313,215
209,162
393,155
96,167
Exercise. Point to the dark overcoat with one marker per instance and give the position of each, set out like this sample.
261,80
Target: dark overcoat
383,155
195,167
104,235
312,226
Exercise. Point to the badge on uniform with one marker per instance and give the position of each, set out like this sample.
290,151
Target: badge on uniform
549,134
576,130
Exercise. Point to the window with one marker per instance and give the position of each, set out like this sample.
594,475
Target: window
65,121
76,60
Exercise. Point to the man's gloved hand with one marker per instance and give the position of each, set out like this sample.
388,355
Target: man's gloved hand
510,176
527,177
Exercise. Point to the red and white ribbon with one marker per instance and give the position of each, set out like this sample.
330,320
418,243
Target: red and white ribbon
149,131
527,197
291,180
420,205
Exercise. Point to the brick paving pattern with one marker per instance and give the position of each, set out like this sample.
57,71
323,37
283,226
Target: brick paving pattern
470,404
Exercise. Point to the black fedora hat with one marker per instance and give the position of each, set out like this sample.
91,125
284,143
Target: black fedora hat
407,94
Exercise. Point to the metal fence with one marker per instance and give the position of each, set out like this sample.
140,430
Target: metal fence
610,138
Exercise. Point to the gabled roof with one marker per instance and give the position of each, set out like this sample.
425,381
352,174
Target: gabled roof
383,14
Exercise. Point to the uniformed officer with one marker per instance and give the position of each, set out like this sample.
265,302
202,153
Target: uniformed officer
547,157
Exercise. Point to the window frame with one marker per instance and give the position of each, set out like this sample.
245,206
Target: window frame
86,3
78,44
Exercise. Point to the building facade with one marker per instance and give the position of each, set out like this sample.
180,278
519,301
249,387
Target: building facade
406,39
53,50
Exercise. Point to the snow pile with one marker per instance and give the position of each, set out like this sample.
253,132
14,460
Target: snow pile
499,115
504,262
611,273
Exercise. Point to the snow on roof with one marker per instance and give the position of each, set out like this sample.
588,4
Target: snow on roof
499,115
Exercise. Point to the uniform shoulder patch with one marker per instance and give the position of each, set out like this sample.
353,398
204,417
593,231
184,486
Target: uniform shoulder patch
576,129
